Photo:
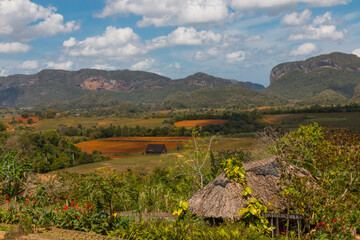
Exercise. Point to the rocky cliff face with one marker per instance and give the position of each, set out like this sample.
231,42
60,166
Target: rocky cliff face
339,61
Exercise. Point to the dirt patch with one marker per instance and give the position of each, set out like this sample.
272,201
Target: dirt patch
105,123
25,119
268,121
201,123
62,234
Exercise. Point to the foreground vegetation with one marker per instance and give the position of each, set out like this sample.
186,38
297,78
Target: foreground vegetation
114,204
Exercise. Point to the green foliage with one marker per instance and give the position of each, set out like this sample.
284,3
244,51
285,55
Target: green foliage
217,158
13,174
25,115
50,151
331,189
182,209
187,230
50,113
252,215
234,170
3,127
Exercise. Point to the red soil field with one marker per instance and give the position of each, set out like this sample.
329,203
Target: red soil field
201,123
25,119
104,123
148,139
165,111
258,108
124,145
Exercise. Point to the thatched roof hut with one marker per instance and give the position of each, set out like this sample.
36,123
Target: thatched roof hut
222,198
156,149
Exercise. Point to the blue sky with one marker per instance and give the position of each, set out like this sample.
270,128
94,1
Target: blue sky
236,39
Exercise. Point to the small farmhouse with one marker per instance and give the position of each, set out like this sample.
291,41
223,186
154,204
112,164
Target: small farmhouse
156,149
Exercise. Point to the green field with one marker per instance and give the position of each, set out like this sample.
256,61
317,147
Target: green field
335,120
52,124
137,163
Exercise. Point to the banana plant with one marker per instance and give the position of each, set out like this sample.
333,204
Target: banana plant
13,174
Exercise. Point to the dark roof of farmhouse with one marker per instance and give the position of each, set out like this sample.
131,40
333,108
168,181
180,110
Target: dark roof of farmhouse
222,198
156,148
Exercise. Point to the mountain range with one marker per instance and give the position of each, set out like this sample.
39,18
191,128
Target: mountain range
313,77
326,79
99,87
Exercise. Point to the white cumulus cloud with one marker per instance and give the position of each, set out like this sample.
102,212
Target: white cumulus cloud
324,32
169,12
143,65
254,38
4,72
297,18
103,67
184,36
23,20
282,4
13,47
114,42
356,52
304,49
60,65
30,64
321,29
237,56
205,55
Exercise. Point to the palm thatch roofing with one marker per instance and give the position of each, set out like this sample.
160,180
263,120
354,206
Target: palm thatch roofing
156,148
222,198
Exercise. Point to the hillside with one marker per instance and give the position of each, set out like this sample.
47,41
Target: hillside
99,87
327,97
235,97
356,98
339,72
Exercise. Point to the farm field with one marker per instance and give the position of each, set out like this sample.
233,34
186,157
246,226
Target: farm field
349,120
137,163
51,124
228,143
201,123
128,145
126,152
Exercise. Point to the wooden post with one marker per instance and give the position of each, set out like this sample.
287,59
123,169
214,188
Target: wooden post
299,228
277,226
353,231
272,227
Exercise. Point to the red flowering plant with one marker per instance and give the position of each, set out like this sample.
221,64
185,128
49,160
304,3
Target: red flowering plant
84,217
321,177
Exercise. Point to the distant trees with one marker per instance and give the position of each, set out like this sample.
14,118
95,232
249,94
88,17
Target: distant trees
49,151
25,115
50,113
2,127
